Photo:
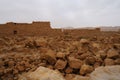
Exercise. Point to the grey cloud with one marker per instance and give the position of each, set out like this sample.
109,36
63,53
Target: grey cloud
62,13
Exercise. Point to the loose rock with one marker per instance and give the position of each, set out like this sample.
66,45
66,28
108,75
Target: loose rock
90,60
60,55
68,70
42,73
85,69
112,53
75,63
60,64
50,56
109,62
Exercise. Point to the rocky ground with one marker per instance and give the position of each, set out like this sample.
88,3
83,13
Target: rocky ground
68,54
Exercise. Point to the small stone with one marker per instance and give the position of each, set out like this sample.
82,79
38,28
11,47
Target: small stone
90,60
117,61
50,56
101,54
11,63
97,64
60,55
40,43
68,70
112,53
60,64
109,62
20,68
75,63
84,56
27,65
96,45
84,41
85,69
50,66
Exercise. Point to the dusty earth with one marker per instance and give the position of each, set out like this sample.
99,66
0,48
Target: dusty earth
67,54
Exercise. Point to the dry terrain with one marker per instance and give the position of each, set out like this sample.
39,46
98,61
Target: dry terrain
70,55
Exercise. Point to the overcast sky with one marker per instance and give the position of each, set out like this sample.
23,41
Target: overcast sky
62,13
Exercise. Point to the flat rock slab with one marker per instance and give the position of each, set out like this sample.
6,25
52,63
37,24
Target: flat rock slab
100,73
42,73
106,73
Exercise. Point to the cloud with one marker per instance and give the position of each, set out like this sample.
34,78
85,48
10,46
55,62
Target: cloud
62,13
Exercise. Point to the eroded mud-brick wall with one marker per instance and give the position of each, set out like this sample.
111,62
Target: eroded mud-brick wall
40,29
35,28
83,32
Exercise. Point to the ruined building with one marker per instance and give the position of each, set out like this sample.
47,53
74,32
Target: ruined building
37,28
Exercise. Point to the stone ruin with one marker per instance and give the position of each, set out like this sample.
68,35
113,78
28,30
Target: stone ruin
38,28
53,54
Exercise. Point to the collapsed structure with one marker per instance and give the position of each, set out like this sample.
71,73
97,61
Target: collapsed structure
37,28
73,52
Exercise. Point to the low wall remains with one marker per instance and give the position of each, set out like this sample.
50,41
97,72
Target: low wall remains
39,29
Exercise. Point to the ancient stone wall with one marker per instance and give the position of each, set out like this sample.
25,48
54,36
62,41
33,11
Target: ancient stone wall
35,28
39,29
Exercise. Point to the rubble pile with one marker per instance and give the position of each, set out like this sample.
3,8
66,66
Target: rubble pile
69,55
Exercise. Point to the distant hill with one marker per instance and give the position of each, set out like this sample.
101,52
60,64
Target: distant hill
103,28
116,28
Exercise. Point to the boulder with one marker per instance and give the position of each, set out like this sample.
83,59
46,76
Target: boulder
68,70
60,55
85,69
42,73
40,42
84,56
60,64
98,62
117,61
112,53
75,63
101,53
106,73
49,56
96,45
90,60
84,41
109,62
20,68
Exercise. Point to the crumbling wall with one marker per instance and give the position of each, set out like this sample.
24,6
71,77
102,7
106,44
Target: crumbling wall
40,29
35,28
